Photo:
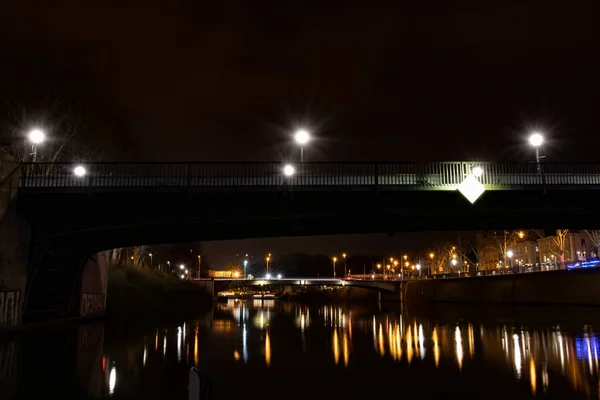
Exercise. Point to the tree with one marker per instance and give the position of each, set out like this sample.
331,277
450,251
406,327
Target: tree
594,236
559,242
69,105
440,259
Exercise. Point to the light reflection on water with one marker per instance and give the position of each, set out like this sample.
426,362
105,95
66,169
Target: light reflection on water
249,335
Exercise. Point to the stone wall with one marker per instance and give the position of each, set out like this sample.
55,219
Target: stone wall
575,287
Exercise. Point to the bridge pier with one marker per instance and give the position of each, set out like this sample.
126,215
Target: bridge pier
41,283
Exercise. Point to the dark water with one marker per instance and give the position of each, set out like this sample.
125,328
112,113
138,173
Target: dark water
270,349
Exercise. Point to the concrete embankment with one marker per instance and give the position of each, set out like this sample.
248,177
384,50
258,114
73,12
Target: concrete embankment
575,287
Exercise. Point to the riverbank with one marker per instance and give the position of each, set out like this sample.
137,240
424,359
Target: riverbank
144,293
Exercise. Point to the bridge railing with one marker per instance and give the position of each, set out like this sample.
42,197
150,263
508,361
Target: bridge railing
416,176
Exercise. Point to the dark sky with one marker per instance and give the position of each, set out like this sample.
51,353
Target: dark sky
375,80
404,80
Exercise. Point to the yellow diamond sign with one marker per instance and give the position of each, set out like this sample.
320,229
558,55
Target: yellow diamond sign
471,188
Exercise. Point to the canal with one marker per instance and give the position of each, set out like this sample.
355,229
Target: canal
267,349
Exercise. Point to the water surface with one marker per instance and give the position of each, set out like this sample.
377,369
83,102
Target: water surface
270,349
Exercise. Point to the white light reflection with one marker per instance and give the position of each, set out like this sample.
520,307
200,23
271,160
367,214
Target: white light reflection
145,356
421,340
112,380
459,347
244,344
374,325
178,344
165,344
517,355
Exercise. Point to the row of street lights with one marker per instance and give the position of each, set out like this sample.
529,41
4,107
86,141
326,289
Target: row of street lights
37,137
302,137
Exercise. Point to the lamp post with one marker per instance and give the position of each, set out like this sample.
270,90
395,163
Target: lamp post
302,136
150,254
267,260
245,265
334,259
536,139
35,136
510,254
345,265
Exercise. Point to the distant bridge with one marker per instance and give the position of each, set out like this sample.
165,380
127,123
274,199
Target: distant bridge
378,285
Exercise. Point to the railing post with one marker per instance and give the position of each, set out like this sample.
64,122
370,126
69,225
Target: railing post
376,171
189,179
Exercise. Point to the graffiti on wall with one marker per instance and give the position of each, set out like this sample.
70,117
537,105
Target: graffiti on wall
9,307
92,303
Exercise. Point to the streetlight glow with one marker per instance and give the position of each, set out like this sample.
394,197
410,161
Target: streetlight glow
509,253
302,136
36,136
477,171
181,266
536,139
289,170
79,171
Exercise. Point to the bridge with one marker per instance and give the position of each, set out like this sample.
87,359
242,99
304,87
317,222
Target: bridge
63,215
392,286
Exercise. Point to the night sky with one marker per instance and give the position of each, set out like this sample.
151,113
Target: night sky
374,80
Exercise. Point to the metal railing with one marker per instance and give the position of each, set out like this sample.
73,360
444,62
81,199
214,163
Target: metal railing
408,176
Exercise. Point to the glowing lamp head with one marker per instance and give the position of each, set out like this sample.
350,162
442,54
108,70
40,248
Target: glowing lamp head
302,136
289,170
79,171
36,136
453,262
268,276
536,139
181,266
509,253
278,276
477,171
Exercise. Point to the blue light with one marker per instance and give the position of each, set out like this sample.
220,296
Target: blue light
581,347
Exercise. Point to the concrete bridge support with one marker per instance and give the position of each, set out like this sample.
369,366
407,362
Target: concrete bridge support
40,283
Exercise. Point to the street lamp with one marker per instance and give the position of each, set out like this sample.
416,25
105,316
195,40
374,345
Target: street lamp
150,254
302,136
79,171
289,170
345,265
536,139
245,265
181,267
268,259
334,259
510,254
35,136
